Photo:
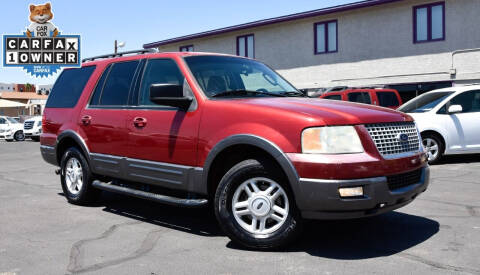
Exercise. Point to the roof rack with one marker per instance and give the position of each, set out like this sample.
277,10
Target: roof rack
111,55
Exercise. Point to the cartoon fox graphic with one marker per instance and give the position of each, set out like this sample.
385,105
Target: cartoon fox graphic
39,16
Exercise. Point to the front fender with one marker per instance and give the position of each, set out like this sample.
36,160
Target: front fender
265,145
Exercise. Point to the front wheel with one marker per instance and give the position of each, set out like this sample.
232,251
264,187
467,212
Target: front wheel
433,146
254,206
19,136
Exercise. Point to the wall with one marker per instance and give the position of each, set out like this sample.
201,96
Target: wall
7,87
375,47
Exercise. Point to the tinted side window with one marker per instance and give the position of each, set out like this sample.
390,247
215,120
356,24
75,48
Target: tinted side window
98,89
68,87
334,97
387,99
3,121
470,101
359,97
117,86
159,71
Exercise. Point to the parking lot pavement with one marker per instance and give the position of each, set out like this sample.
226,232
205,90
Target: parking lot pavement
40,233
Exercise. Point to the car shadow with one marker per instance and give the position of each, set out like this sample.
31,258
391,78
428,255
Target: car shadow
372,237
198,221
379,236
456,159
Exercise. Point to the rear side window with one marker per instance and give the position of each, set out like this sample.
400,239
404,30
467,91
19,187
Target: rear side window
334,97
117,85
68,87
98,89
387,99
360,97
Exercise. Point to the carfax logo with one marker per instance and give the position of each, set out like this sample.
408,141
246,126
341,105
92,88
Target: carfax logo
41,50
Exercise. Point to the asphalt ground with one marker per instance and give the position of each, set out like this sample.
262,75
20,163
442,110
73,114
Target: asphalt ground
40,233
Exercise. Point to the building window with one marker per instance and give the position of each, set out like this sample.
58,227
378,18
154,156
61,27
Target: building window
188,48
326,40
429,22
246,46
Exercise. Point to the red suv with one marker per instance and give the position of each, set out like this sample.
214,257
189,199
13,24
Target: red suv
190,129
389,98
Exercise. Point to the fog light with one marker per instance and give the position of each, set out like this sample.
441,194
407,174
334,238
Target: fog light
351,192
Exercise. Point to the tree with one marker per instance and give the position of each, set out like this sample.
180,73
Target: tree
28,87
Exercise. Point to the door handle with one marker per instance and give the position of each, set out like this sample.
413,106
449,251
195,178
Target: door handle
139,122
86,120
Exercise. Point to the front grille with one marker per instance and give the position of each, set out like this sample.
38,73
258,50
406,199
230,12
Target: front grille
28,125
405,179
386,138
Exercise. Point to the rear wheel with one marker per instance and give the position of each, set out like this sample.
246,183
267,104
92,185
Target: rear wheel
76,178
433,146
254,206
19,136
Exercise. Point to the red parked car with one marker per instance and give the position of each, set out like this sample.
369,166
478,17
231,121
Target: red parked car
191,128
389,98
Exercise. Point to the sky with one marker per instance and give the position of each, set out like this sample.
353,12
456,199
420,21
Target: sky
100,22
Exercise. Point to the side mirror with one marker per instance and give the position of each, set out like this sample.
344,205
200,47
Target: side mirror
169,95
453,109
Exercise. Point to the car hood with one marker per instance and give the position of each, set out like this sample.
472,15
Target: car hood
11,126
328,112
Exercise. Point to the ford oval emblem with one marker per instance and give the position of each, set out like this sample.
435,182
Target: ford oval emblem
402,137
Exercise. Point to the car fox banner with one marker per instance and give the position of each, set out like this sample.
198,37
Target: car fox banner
41,50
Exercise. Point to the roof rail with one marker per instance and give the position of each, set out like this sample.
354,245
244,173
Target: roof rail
111,55
336,89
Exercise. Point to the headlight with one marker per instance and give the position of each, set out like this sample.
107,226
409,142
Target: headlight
331,140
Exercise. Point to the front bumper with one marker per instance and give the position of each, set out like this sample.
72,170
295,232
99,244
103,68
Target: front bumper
6,135
32,133
324,201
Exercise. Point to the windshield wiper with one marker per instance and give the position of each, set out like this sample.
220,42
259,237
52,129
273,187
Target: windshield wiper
293,93
245,92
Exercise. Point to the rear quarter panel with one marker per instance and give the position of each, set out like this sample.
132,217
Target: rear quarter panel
57,120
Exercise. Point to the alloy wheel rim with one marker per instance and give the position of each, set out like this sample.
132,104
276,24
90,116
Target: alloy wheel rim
74,176
431,147
260,206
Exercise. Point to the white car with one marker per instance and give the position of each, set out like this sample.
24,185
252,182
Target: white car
32,128
11,129
448,120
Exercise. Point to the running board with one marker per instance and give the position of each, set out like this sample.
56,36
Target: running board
149,196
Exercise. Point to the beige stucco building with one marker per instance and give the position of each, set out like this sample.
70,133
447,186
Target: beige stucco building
410,45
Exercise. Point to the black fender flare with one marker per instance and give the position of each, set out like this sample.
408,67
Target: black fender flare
78,139
262,143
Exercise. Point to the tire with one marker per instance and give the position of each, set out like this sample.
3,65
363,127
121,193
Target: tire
434,147
239,228
77,192
37,139
19,136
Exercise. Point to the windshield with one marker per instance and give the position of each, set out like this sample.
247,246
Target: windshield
424,103
12,120
237,77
